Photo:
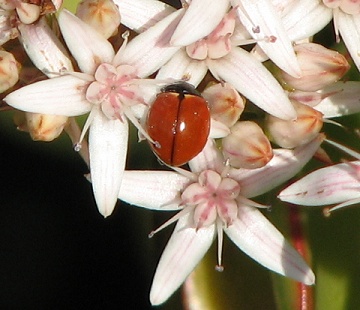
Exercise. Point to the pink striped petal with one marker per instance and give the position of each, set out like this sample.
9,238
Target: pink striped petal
87,46
108,148
325,186
254,81
343,99
257,237
349,28
150,50
209,158
44,48
181,67
140,15
63,95
155,190
263,15
299,20
200,18
183,252
283,166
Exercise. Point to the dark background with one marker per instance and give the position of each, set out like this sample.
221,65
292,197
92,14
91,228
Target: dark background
56,250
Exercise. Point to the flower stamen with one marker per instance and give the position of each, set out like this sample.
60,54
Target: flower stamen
172,220
219,226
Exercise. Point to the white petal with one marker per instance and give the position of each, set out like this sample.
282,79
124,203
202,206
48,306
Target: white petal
262,14
257,237
349,28
61,96
218,130
209,158
325,186
344,99
150,50
283,166
182,67
87,46
200,19
183,252
155,190
254,81
44,48
108,148
140,15
299,21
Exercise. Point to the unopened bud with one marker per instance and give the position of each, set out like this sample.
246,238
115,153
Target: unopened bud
320,67
292,133
9,71
247,146
102,15
45,127
7,5
27,12
225,103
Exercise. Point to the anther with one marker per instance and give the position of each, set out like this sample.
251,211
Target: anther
77,147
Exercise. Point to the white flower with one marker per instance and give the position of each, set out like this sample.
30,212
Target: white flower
214,198
109,87
217,39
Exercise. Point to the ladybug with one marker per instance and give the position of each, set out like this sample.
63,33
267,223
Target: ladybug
179,123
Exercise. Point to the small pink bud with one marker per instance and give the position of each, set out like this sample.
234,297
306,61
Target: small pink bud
292,133
44,127
320,67
247,146
225,103
102,15
9,71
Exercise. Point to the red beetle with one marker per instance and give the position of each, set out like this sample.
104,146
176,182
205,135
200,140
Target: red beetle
179,123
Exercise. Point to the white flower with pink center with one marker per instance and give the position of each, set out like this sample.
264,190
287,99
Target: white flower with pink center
111,86
115,90
213,198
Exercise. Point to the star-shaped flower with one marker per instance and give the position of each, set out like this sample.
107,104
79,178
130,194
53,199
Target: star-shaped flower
213,46
214,198
110,87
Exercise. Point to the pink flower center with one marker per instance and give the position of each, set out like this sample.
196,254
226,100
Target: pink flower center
213,196
217,44
115,88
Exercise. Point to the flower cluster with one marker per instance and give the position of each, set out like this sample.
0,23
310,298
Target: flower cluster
266,86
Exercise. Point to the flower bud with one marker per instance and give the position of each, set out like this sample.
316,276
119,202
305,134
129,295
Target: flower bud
102,15
247,146
225,103
292,133
320,67
9,71
45,127
7,5
27,12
